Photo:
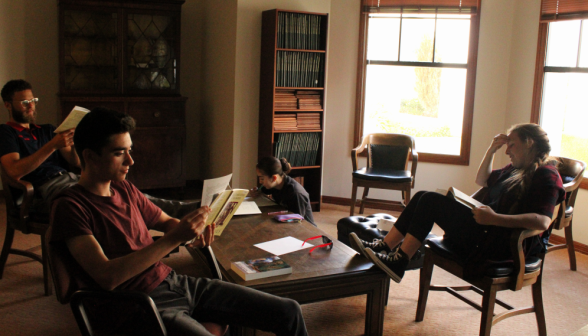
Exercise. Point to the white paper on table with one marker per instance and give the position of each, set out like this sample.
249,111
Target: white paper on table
283,245
262,201
247,208
73,119
214,186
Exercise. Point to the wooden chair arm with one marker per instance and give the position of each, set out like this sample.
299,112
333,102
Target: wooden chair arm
28,194
357,150
516,246
415,160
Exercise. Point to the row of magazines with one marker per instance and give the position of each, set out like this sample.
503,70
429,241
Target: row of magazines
300,149
299,31
299,69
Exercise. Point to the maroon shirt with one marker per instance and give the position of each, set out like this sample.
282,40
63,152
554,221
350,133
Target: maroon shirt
119,223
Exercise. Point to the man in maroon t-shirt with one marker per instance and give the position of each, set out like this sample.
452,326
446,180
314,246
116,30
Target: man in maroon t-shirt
104,221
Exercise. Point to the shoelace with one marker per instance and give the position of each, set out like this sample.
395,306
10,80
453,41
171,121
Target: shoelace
392,256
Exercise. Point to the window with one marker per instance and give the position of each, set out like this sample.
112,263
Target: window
417,74
561,80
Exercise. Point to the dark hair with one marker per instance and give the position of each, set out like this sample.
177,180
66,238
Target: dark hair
521,179
96,128
271,166
13,86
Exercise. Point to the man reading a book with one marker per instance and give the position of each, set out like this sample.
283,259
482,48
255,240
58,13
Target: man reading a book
34,153
104,222
522,194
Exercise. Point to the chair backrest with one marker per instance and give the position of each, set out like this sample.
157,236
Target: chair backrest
388,150
572,174
68,275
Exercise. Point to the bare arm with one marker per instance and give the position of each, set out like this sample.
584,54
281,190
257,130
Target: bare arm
486,165
110,273
486,216
17,167
70,155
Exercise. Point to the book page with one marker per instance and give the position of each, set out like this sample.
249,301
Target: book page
73,119
283,245
212,187
247,208
464,198
217,205
228,210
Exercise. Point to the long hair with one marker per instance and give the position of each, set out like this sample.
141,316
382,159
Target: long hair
520,181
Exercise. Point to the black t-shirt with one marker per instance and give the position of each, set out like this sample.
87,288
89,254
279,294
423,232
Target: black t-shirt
293,197
17,139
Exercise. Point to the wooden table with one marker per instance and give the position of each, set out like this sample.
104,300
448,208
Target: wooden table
320,276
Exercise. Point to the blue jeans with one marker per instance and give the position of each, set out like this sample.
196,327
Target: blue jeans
184,301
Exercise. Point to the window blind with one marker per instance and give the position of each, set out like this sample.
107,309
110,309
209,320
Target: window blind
558,10
425,6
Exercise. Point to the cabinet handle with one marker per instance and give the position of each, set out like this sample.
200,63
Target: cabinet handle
157,114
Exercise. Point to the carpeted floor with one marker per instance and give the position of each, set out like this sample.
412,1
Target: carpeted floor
25,311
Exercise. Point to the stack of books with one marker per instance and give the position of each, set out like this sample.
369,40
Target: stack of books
299,31
300,149
308,121
309,100
285,100
299,69
285,122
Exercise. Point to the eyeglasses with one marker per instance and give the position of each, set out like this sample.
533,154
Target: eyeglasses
327,242
26,103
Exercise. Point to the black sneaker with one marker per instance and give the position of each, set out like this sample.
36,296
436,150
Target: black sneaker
359,245
394,263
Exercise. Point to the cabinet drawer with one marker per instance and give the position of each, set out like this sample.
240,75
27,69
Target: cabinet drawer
157,113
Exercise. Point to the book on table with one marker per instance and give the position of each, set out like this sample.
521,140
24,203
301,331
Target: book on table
223,208
261,268
463,198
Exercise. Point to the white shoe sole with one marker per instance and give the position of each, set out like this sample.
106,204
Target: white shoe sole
356,244
371,255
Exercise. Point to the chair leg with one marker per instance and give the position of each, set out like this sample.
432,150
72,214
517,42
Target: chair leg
366,190
488,302
424,286
6,248
353,198
538,304
570,245
46,276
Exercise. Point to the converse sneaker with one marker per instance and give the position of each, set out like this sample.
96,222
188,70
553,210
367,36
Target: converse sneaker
359,245
394,263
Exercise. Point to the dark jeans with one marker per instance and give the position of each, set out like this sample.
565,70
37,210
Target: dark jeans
428,208
51,188
185,301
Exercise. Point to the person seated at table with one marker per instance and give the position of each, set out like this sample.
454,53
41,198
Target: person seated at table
274,179
522,194
104,221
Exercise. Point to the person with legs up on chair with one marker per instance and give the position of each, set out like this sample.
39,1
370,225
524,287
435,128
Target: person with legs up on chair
104,221
274,179
35,153
522,194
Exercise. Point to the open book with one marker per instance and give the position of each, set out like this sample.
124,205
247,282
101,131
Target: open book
224,207
73,119
463,198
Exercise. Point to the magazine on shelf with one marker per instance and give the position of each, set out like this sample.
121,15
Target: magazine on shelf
261,268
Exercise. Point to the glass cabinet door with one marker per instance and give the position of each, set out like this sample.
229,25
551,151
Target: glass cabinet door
90,51
152,42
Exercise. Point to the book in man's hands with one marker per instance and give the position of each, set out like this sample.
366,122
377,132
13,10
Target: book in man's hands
261,268
73,119
463,198
223,208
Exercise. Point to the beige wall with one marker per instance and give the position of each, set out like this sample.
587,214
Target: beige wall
247,81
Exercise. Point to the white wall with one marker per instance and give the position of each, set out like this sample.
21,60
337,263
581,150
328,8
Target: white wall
246,117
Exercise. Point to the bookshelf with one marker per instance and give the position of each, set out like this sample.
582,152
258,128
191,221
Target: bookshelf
292,93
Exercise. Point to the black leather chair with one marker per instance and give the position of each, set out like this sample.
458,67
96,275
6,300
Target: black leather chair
388,155
18,196
572,174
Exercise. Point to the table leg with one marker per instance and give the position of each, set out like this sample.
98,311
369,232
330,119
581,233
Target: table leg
374,314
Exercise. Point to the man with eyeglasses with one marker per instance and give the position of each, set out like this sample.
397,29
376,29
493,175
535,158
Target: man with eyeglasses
36,154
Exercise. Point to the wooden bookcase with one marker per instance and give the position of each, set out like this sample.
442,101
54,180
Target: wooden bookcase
125,55
292,93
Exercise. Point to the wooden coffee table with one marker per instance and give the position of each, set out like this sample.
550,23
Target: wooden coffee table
326,274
